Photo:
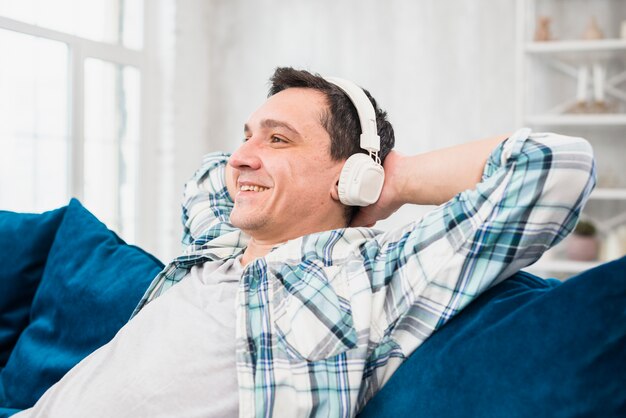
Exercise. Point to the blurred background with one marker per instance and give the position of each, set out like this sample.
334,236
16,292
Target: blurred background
115,101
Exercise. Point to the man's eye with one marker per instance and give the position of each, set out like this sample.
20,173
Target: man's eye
276,139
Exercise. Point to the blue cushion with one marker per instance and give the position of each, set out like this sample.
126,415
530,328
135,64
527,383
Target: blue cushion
7,412
525,348
90,286
25,241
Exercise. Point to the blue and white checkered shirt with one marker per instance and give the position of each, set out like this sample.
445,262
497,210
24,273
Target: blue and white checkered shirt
324,320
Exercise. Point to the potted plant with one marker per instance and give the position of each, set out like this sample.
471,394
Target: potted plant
583,245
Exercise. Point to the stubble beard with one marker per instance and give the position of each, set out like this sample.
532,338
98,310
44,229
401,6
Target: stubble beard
248,223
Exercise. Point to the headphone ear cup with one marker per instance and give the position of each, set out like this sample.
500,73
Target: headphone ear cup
346,178
361,181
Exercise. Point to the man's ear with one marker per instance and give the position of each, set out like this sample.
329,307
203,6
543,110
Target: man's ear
334,190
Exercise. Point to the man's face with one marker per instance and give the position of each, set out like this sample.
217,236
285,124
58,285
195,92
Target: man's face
283,172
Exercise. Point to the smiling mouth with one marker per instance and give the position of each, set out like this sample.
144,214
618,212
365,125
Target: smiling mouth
249,188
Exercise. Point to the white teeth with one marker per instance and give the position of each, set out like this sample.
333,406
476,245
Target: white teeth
246,188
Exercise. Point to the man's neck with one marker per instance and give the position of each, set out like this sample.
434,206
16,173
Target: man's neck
256,249
260,245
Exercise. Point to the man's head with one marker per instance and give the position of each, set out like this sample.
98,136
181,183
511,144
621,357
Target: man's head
295,146
340,119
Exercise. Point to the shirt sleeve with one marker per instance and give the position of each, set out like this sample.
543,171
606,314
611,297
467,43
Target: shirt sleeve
206,201
532,191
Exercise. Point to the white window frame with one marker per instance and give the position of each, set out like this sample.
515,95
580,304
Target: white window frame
157,226
79,50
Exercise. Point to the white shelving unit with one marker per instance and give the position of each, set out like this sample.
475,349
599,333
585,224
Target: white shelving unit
562,266
558,47
548,82
576,120
608,194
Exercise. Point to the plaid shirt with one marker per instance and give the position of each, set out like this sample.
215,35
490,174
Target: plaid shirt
325,319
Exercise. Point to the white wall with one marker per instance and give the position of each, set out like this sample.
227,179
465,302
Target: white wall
443,69
176,102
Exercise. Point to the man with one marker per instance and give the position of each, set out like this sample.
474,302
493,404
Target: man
317,315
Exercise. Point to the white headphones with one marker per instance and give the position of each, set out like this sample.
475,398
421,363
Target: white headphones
362,177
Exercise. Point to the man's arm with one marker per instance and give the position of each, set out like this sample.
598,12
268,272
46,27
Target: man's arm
431,178
230,181
206,199
531,193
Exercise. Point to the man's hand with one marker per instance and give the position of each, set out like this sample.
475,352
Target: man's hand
389,200
431,178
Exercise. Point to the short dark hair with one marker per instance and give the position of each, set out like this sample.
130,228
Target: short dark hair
341,121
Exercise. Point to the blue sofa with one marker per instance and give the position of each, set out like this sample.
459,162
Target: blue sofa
527,347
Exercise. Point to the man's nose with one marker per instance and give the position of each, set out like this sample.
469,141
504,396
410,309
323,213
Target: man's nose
246,156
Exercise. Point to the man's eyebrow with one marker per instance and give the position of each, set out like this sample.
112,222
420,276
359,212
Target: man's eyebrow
273,123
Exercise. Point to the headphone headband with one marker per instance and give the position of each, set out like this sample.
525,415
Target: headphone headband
362,177
369,139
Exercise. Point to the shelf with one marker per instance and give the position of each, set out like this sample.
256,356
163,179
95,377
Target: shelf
608,194
601,45
562,266
550,78
614,119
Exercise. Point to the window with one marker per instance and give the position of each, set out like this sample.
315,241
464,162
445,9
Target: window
34,127
110,21
111,138
70,106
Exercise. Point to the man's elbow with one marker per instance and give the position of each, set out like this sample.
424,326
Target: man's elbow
574,170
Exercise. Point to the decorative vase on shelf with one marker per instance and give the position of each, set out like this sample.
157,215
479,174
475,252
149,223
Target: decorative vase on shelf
542,30
582,244
593,31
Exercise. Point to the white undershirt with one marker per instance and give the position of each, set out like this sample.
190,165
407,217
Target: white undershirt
176,358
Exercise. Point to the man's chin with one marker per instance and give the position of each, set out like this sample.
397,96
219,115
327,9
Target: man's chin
248,223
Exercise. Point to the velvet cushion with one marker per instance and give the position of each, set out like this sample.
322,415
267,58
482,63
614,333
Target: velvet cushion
25,241
92,282
525,348
7,412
